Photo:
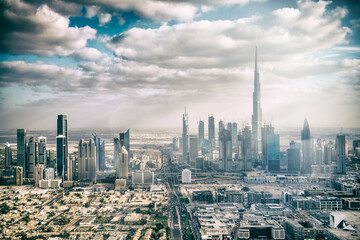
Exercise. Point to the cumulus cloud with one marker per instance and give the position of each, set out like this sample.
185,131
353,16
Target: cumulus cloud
41,31
104,18
287,33
88,54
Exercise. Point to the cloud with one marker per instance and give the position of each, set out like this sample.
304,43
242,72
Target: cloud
104,18
88,54
42,31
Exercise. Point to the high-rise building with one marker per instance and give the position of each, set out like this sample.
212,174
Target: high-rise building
176,144
266,130
186,176
21,148
194,148
97,142
185,139
306,144
116,150
123,164
212,131
294,157
341,154
245,144
31,158
318,152
273,152
125,140
42,159
8,156
49,173
18,175
234,135
60,156
225,146
102,156
257,113
83,160
201,133
91,156
221,145
329,150
62,130
39,174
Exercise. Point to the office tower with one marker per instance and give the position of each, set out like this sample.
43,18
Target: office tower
225,146
123,164
194,148
51,159
39,174
185,139
21,148
199,163
328,153
116,150
341,154
234,135
83,160
91,165
60,156
212,131
102,156
294,157
18,175
62,130
42,159
31,158
201,133
245,143
125,140
97,142
8,156
273,151
257,113
176,144
356,144
318,152
229,127
49,173
306,148
266,130
221,128
186,176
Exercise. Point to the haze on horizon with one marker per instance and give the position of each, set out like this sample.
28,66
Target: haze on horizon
130,65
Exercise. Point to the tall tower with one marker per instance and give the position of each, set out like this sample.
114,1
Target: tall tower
306,148
21,148
340,154
122,166
212,131
256,117
8,156
60,156
201,133
185,138
62,130
42,150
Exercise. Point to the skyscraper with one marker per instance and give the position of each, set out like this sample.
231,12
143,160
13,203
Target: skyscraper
91,165
8,156
62,130
328,153
60,156
102,156
306,148
21,148
185,138
123,164
116,150
125,140
273,152
246,148
201,133
341,154
221,146
97,142
42,151
31,158
212,131
293,155
257,113
83,160
266,130
225,146
234,135
194,148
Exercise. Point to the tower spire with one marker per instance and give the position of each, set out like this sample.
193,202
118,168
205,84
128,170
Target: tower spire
256,117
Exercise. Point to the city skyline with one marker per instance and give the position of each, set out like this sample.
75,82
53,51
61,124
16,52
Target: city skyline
98,68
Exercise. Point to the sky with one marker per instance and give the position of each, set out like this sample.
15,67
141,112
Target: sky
138,64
